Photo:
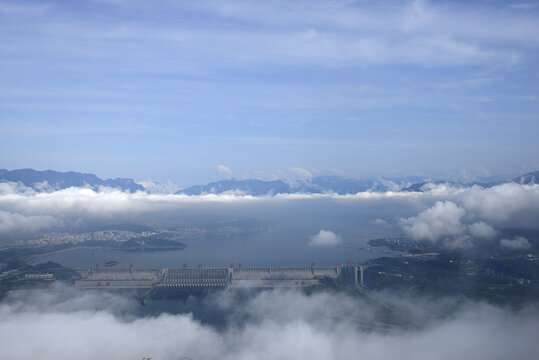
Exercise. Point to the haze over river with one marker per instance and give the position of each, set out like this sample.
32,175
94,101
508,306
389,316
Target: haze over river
285,240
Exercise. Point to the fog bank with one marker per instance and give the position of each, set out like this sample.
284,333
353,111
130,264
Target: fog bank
64,323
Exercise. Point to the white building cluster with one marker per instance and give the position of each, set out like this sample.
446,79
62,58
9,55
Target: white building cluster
57,238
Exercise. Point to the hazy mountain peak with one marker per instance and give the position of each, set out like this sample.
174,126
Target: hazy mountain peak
531,178
55,180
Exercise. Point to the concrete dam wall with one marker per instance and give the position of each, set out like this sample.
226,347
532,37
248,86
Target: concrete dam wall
172,282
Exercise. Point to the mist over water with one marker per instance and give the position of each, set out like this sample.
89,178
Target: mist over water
256,250
284,239
287,223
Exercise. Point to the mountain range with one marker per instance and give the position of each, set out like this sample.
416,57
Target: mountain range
315,185
53,180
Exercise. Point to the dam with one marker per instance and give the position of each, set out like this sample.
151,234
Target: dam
177,282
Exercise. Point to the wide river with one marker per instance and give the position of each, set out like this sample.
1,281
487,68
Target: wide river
285,243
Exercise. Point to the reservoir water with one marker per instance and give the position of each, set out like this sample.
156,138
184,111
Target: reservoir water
265,249
284,243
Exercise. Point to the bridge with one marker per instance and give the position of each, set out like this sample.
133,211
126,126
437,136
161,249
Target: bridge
180,281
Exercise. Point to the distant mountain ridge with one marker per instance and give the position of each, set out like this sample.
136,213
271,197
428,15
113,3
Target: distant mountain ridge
62,180
526,179
531,178
316,185
338,185
54,180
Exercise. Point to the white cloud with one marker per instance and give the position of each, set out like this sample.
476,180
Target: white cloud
502,202
441,220
468,213
461,211
301,172
482,230
154,187
379,222
224,170
518,243
17,223
444,221
294,174
268,325
325,238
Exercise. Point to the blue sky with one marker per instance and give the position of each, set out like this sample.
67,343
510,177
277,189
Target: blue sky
172,89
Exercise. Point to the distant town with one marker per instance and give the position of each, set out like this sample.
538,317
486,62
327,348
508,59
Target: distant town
57,238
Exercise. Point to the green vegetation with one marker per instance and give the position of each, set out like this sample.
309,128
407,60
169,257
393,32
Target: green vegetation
504,280
60,273
17,274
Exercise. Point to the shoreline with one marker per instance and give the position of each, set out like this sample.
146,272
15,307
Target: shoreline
33,258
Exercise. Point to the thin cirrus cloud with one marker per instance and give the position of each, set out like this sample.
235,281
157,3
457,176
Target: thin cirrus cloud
223,170
146,73
415,32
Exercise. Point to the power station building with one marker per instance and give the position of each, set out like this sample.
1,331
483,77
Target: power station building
177,282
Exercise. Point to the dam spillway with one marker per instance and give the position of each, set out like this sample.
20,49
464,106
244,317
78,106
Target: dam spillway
270,277
181,281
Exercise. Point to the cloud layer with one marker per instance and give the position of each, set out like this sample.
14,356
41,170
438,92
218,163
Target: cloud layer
15,222
269,325
442,212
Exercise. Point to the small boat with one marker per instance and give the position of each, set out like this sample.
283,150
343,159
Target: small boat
111,263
